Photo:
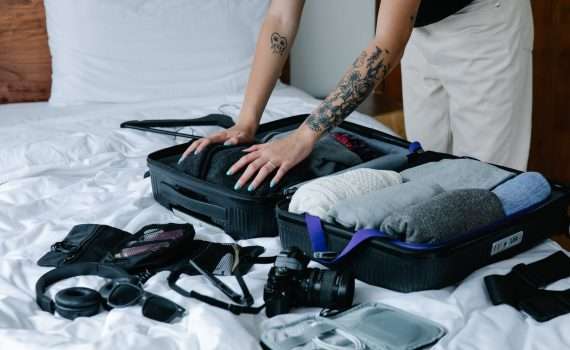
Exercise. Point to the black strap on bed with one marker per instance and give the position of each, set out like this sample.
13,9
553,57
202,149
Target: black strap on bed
522,287
151,125
245,301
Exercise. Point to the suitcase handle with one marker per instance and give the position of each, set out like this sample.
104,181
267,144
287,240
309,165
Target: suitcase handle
220,120
194,205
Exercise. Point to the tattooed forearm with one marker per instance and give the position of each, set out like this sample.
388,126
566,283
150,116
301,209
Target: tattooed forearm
278,43
366,71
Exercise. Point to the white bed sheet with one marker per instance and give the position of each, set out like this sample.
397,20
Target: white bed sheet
64,166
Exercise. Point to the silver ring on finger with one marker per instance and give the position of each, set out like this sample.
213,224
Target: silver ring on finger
273,166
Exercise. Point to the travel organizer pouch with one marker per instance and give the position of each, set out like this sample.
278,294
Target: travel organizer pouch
84,243
372,326
154,247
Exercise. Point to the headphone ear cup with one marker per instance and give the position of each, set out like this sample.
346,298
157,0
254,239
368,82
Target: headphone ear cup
104,292
76,302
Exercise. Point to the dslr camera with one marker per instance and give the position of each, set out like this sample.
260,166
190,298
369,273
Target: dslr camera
291,283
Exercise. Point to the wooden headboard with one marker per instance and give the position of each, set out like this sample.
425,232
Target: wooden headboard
25,62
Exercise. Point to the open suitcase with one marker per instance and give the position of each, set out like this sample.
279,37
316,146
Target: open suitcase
371,256
376,259
240,214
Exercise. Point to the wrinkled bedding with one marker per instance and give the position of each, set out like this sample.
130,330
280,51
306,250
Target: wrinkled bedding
64,166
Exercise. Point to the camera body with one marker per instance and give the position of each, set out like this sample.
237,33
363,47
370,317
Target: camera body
291,283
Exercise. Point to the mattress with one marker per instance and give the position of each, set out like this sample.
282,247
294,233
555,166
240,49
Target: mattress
64,166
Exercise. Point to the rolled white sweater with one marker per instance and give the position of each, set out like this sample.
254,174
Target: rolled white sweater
319,196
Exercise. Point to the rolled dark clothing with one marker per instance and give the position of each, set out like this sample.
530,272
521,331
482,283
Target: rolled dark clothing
445,216
212,164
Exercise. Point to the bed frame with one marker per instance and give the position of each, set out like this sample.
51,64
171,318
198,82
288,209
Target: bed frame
25,61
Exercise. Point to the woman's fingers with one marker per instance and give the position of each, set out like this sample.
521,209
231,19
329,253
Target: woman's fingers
190,150
251,169
252,148
199,145
283,169
242,162
265,170
202,145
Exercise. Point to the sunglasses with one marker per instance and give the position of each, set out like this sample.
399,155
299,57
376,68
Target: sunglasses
122,293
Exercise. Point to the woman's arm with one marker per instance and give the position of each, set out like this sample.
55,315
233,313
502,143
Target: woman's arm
384,52
273,45
394,27
275,40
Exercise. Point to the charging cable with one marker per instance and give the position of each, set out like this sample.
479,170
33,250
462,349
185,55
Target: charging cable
357,344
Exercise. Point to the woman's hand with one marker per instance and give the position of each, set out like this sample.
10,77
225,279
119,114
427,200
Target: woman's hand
278,156
235,135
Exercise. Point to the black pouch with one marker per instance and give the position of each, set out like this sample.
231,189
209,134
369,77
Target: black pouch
84,243
153,248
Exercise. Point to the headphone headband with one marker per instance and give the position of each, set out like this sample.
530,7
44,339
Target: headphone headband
81,269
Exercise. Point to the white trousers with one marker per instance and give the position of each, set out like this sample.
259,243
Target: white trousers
467,83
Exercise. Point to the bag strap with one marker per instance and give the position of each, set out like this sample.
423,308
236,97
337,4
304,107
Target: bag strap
233,308
321,252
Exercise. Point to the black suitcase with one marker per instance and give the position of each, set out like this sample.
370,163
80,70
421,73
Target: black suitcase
242,216
407,267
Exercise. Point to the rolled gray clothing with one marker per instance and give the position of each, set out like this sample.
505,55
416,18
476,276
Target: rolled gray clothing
370,210
445,216
395,161
457,174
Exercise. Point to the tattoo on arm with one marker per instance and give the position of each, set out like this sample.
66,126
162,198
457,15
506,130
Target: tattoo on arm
278,43
366,71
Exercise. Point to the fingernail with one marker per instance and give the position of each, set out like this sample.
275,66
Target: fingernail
237,186
197,151
250,188
229,172
228,143
272,184
181,160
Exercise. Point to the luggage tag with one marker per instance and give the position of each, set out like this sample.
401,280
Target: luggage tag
373,326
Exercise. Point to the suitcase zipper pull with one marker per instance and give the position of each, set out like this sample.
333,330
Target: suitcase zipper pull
289,192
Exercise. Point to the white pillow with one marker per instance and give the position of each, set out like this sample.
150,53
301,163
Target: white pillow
134,50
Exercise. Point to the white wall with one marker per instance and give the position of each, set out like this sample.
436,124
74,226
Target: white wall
332,34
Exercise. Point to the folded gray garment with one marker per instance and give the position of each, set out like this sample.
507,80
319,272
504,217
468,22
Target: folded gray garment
456,174
445,216
370,210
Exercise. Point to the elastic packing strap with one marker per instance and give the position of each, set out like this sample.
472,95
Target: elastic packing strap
321,252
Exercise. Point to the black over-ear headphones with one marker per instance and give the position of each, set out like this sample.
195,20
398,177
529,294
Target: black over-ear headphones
77,301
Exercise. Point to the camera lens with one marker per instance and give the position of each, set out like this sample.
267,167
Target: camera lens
329,289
